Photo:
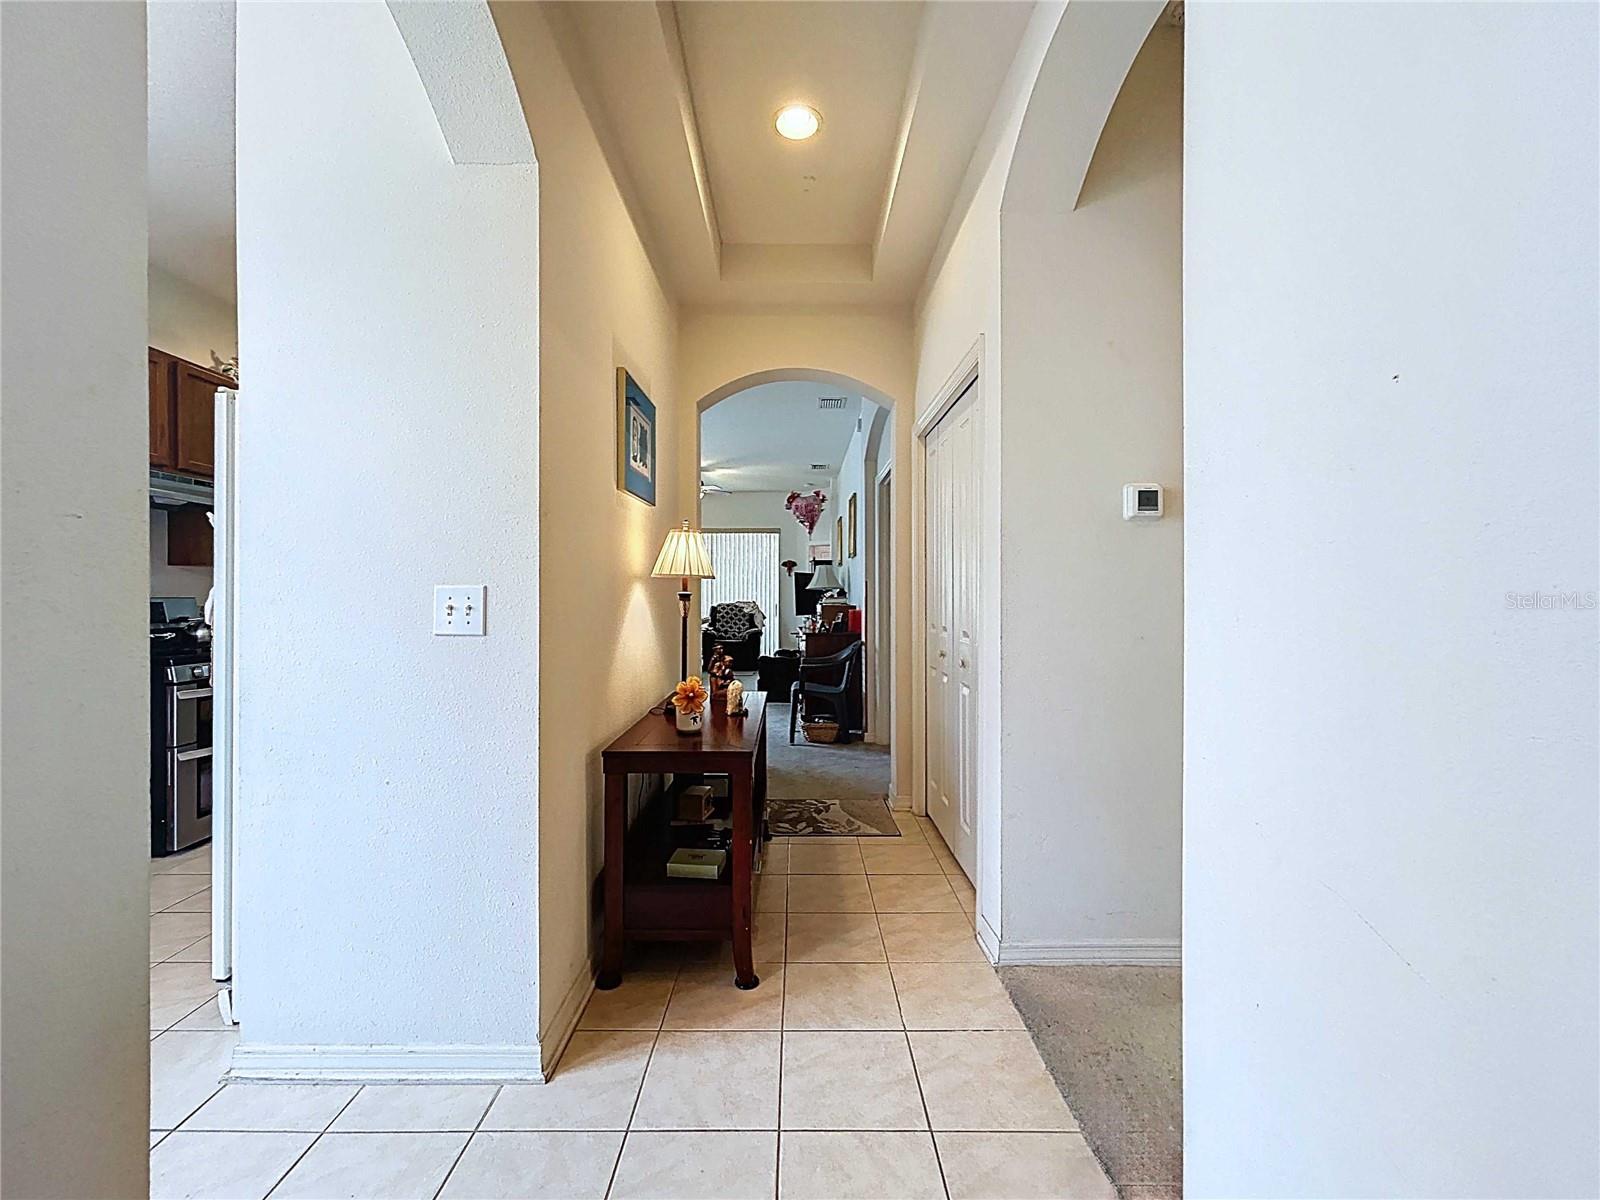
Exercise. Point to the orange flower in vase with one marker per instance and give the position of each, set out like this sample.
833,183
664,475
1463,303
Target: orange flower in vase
689,698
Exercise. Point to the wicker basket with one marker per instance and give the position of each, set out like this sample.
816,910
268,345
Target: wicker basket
822,731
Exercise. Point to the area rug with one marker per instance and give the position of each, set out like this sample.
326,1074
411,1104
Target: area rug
831,818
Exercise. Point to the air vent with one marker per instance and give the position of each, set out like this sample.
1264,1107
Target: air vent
832,401
819,466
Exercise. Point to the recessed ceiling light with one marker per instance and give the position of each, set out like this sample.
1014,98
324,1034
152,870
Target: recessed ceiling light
797,122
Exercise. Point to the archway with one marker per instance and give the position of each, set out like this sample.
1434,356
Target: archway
1091,255
1091,617
889,626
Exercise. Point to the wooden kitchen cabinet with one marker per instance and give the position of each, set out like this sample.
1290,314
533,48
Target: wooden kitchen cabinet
182,414
190,539
163,443
196,403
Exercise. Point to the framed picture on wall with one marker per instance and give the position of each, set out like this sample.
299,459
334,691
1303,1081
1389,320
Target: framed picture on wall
636,439
852,524
838,539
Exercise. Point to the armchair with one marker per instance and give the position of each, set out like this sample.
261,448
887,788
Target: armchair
777,672
829,683
737,626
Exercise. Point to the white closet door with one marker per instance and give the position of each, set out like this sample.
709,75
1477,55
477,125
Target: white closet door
964,619
941,799
951,508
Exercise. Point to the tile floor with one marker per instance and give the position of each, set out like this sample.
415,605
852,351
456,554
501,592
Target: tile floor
880,1057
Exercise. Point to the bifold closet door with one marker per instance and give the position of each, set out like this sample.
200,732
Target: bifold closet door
941,787
952,539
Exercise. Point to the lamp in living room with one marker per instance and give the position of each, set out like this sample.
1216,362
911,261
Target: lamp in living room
824,579
684,556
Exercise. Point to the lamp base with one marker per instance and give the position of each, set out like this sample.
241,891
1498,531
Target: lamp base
684,597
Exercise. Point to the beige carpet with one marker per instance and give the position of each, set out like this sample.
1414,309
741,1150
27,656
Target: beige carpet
1111,1037
806,770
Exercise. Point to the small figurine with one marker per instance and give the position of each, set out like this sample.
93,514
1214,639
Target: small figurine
735,699
721,670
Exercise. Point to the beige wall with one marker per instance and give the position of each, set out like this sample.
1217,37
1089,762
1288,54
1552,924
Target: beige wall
1392,417
1091,606
75,866
189,322
608,632
873,347
870,345
958,315
387,310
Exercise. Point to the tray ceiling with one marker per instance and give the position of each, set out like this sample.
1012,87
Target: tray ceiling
683,97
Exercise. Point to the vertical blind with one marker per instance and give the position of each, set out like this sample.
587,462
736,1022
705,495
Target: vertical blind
746,563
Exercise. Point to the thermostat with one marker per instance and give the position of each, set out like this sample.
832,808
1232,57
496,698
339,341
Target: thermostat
1141,500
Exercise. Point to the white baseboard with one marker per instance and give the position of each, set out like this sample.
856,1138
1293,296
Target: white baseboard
1112,952
553,1041
420,1064
388,1064
988,939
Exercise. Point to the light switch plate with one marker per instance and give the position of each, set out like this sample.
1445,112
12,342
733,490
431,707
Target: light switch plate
458,609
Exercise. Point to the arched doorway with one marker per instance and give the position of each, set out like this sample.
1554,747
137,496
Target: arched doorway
1091,641
885,532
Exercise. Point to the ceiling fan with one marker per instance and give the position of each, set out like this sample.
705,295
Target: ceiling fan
712,489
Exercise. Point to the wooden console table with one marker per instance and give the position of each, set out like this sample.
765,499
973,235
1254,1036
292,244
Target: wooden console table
642,902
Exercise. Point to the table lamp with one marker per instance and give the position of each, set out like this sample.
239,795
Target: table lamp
684,556
824,579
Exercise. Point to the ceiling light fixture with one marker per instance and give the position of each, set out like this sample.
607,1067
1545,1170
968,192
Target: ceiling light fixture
797,122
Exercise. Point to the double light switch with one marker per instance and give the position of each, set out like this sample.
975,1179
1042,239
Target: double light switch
458,609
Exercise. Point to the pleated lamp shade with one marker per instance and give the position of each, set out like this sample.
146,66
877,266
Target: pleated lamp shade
684,556
825,579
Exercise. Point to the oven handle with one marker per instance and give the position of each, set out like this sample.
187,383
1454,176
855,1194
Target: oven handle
191,755
199,693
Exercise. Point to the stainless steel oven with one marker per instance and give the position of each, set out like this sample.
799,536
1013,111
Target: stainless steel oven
189,705
186,705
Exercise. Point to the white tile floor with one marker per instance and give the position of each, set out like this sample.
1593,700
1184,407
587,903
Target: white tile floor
880,1057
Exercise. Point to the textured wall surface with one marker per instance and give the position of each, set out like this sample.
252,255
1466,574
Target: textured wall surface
387,814
609,633
1091,604
959,311
189,322
1390,768
73,468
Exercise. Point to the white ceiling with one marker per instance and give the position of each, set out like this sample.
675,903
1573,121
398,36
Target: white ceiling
765,438
683,95
850,61
191,146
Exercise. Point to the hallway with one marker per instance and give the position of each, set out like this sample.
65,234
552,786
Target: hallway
1175,456
879,1057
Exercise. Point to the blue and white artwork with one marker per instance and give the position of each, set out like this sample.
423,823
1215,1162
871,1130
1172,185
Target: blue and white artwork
636,435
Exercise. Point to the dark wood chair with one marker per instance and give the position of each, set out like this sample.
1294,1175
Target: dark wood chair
829,683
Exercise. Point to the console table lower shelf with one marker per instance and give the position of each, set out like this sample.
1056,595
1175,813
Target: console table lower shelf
642,902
